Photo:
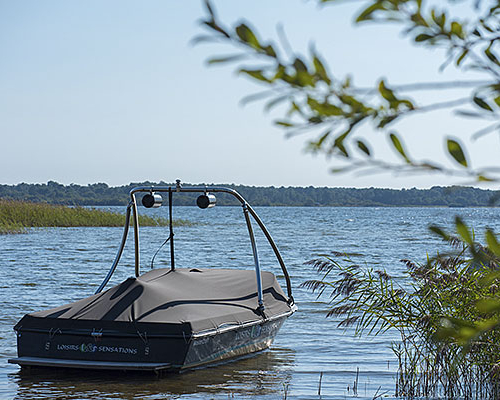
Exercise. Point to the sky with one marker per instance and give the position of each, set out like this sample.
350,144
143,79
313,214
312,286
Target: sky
114,91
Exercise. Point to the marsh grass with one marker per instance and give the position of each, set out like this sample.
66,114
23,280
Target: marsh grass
7,227
17,216
423,307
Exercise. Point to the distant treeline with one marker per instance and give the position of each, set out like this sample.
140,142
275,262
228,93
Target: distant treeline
102,194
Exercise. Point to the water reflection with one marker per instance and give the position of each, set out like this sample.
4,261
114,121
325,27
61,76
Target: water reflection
264,375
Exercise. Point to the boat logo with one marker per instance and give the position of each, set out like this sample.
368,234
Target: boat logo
249,333
200,342
92,348
88,348
256,331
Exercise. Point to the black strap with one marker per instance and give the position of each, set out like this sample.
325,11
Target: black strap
157,251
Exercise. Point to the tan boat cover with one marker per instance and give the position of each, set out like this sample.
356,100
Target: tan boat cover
202,299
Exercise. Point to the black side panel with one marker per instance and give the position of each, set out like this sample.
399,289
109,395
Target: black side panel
95,341
122,349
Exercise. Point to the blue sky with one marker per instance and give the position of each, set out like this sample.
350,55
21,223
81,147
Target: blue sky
112,91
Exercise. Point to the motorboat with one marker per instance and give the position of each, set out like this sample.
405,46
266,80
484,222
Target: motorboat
167,319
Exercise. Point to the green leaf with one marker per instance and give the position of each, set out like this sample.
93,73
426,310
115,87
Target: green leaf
315,120
340,170
486,325
363,147
455,150
431,166
440,19
489,278
386,93
220,60
492,242
286,124
321,70
339,143
269,50
303,77
342,149
462,56
396,143
203,39
316,145
456,29
486,26
463,230
440,232
295,109
280,72
386,120
351,102
491,56
325,109
299,65
255,73
482,178
469,114
246,35
418,19
367,13
481,103
488,305
423,37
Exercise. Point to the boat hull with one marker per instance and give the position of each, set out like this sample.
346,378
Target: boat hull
232,343
142,353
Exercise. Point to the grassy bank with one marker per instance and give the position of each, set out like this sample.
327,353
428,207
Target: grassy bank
17,216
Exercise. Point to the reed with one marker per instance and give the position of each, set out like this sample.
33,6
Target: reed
11,228
17,216
421,307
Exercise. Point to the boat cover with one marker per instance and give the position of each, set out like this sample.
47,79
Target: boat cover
183,301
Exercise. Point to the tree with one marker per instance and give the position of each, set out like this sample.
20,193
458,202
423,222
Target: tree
333,109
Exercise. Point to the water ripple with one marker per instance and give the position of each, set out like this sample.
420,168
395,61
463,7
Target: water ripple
52,266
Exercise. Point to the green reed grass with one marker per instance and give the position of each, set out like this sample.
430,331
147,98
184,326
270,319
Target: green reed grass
17,216
433,296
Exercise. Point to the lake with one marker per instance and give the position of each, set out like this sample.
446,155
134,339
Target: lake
49,267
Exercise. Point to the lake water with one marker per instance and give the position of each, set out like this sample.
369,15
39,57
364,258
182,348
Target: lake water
53,266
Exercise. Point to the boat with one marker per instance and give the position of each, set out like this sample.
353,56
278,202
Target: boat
167,319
